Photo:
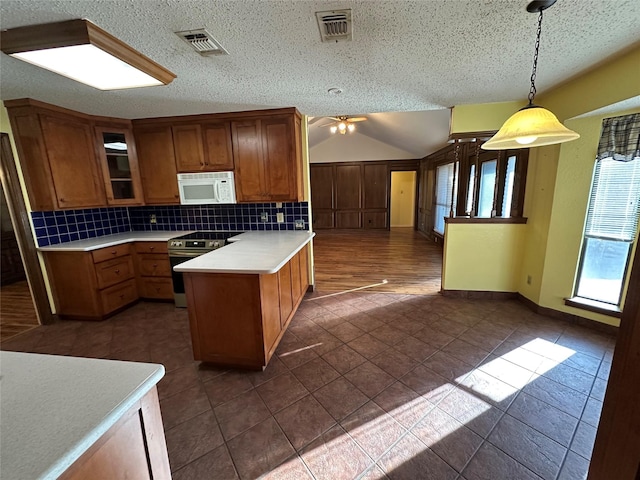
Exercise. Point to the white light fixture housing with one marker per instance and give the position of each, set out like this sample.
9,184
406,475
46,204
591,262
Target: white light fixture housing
82,51
531,126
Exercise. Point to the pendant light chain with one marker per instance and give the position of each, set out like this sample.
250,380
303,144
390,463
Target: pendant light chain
532,91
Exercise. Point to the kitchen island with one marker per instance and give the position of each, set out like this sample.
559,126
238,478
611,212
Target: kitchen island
76,418
242,297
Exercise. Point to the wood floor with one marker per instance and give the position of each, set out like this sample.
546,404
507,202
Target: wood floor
17,313
353,259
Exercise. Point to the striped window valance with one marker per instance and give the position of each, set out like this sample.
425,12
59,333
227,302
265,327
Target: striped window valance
620,138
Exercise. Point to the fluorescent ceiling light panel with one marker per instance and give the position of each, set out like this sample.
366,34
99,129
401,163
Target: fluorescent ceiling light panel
80,50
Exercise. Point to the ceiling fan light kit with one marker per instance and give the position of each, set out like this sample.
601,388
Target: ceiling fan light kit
82,51
344,124
531,126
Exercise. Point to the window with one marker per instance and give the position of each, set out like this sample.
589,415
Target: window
612,216
444,188
612,222
495,186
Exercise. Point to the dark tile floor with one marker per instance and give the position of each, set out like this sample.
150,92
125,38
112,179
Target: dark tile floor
370,386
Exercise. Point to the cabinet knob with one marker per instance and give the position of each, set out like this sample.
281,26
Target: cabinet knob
117,272
122,296
155,265
62,200
157,290
114,252
151,248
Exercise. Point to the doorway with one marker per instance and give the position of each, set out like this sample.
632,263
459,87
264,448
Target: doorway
403,199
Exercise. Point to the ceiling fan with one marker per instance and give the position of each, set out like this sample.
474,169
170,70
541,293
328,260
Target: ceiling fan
343,124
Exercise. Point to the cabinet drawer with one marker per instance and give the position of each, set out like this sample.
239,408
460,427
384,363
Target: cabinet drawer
118,296
151,247
114,271
111,252
158,288
154,266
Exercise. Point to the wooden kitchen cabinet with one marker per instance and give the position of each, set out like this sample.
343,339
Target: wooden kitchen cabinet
153,271
238,320
119,162
157,164
267,159
57,156
203,147
92,285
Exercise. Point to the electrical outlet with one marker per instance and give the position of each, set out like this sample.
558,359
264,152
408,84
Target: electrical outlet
299,224
152,219
264,217
280,217
278,204
528,279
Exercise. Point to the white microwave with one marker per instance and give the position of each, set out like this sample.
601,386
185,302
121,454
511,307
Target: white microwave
206,187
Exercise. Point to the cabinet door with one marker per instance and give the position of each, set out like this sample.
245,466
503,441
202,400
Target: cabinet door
119,162
157,165
76,174
278,151
247,154
187,143
218,150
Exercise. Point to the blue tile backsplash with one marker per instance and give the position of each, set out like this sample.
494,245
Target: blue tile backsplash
68,225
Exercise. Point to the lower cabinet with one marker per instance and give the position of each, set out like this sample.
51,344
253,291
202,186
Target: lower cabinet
134,447
153,271
238,319
92,285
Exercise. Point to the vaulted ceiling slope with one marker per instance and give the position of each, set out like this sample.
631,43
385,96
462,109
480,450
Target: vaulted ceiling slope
405,55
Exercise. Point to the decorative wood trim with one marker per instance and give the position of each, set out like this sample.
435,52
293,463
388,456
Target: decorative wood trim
568,317
205,117
477,220
472,136
51,108
22,228
593,307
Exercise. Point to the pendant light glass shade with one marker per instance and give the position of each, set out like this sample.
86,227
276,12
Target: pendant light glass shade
531,126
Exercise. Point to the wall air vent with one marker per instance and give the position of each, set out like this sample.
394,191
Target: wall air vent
202,41
335,25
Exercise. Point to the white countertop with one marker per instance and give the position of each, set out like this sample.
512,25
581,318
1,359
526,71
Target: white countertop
95,243
54,408
258,252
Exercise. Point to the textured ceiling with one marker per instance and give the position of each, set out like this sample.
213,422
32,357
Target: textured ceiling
405,56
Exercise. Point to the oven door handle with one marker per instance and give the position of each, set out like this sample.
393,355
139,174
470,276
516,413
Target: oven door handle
185,254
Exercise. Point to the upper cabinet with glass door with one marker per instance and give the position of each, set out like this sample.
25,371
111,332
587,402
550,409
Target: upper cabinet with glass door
119,164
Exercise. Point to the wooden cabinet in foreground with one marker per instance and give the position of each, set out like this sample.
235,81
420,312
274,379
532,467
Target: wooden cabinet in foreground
238,319
92,285
134,447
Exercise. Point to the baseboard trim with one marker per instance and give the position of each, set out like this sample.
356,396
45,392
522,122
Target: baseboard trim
568,317
479,294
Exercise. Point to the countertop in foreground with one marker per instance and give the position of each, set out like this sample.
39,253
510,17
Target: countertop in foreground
54,408
255,252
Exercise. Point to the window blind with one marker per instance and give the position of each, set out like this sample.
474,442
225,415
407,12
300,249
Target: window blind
614,205
444,184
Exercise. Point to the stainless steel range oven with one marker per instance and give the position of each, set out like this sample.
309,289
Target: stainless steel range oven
185,248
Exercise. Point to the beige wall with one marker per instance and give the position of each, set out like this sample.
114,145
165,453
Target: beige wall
403,199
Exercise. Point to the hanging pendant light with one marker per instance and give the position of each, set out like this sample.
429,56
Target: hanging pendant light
531,126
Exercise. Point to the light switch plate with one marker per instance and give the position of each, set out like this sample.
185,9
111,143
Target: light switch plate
280,217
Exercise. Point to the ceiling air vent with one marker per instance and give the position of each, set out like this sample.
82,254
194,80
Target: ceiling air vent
202,42
335,25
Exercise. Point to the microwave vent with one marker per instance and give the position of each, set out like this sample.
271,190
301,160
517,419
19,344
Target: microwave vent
335,25
199,176
202,42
